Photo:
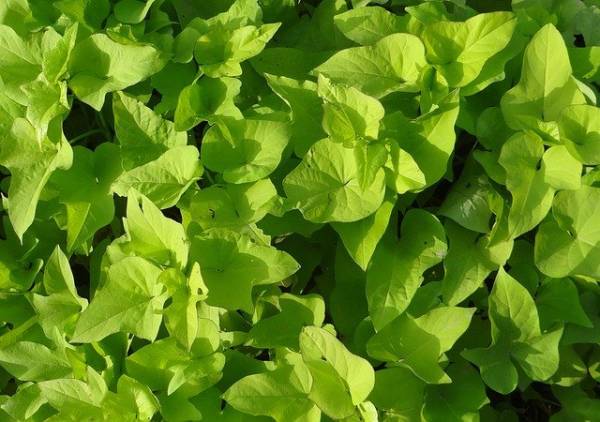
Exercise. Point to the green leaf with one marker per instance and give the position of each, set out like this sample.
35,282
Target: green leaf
18,64
399,391
580,132
307,112
90,14
397,268
130,301
561,170
329,392
496,368
31,163
402,172
143,135
18,269
319,347
245,150
576,404
85,191
165,179
516,338
459,50
61,304
283,328
546,86
458,401
170,82
321,33
447,323
361,238
132,11
31,361
182,314
465,266
325,186
512,311
134,392
281,394
220,52
100,65
71,394
367,25
232,205
164,365
467,202
233,263
348,114
152,235
557,300
56,60
405,341
539,357
567,244
391,64
531,195
45,103
207,99
429,139
287,62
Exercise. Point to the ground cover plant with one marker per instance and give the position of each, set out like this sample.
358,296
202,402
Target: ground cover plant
285,210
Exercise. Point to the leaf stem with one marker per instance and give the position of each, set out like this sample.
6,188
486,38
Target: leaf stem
209,177
85,135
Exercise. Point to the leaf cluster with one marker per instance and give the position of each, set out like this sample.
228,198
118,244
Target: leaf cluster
299,211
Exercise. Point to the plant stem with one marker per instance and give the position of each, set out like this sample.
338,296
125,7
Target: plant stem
85,135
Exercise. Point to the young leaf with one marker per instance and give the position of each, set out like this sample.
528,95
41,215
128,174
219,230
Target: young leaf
348,114
100,65
367,25
307,112
232,205
531,195
567,244
362,237
546,86
152,235
85,191
220,52
281,394
429,139
459,50
457,401
357,375
62,304
579,131
465,266
233,263
165,179
397,267
391,64
516,338
325,186
31,163
182,315
31,361
246,150
130,301
405,341
143,135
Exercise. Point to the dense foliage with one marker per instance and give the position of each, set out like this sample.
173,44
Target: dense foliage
297,211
